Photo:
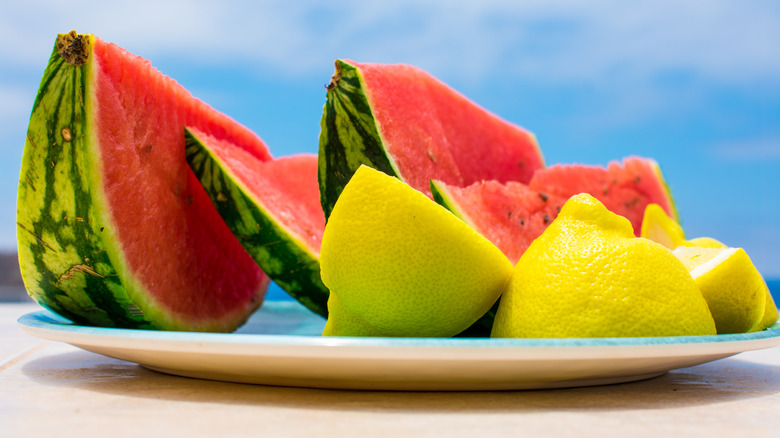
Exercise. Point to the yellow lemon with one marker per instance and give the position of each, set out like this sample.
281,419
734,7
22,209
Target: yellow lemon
734,289
398,264
704,242
659,227
771,315
588,276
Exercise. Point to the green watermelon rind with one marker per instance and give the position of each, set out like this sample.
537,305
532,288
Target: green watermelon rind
281,255
349,135
69,258
441,196
70,255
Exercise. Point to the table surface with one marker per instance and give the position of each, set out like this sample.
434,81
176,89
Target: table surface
53,389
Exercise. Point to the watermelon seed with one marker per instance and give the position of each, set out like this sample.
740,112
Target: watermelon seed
221,197
101,229
431,156
605,191
546,219
522,223
188,201
637,179
66,135
543,196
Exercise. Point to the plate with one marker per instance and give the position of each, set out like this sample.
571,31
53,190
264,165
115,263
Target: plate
280,345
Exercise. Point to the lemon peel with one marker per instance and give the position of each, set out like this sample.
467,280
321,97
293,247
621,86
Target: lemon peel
588,276
731,284
398,264
659,227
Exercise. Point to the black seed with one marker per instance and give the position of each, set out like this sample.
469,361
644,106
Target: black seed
543,196
546,219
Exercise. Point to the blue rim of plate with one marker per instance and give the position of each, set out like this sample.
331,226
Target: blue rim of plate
48,321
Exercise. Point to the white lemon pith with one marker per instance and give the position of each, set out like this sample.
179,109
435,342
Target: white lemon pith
588,276
398,264
732,286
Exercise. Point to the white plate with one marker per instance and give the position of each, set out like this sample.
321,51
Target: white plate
280,345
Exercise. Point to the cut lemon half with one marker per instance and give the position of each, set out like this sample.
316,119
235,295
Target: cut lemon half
734,289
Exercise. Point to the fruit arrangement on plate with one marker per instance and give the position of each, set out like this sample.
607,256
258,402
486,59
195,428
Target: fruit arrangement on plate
422,215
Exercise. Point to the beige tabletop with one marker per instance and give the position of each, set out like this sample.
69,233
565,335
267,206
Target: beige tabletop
53,389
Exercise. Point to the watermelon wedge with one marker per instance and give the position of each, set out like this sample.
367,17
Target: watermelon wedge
406,123
113,228
273,207
512,215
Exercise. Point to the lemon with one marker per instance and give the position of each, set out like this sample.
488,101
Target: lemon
771,315
659,227
732,286
704,242
588,276
398,264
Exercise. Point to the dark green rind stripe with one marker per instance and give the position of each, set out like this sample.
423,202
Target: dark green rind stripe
438,193
348,136
286,260
62,253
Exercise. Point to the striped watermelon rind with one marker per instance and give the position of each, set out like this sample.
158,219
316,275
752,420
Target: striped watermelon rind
282,256
66,253
349,136
70,253
406,123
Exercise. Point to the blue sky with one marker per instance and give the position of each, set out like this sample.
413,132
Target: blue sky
694,85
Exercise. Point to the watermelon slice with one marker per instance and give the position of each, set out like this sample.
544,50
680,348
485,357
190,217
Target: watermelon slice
512,215
406,123
113,227
273,207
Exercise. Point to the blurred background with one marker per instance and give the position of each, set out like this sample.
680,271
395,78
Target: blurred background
694,85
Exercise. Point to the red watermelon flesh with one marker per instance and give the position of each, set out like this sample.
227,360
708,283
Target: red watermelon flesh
286,187
433,132
624,188
172,239
512,215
